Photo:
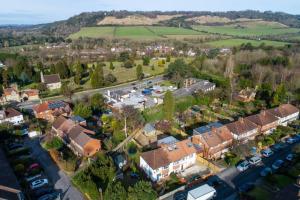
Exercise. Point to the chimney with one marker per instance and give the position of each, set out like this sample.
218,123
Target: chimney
42,77
241,120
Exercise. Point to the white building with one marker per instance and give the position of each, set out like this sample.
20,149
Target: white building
52,81
172,158
285,114
11,115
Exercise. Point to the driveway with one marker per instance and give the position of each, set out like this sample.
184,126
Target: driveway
59,179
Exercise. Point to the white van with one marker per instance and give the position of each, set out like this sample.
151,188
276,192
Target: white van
255,160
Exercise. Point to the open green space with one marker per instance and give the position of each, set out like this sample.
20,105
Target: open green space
238,42
94,32
134,32
253,30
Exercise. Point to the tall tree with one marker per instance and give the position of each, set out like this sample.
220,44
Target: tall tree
169,106
115,191
142,190
5,78
62,69
78,72
229,73
111,66
139,72
83,110
97,77
97,102
67,91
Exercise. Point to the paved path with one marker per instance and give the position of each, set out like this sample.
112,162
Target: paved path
60,180
128,139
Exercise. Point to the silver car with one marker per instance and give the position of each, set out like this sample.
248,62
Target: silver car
39,183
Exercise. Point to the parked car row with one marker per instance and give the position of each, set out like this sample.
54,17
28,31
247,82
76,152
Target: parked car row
38,186
253,161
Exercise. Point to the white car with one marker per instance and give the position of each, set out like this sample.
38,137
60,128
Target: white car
243,166
255,160
277,164
291,140
267,152
290,157
38,183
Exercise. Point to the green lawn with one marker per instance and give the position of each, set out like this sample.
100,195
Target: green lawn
259,194
135,32
254,30
164,31
94,32
238,42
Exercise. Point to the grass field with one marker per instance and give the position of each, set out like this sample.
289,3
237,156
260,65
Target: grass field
134,32
238,42
253,30
94,32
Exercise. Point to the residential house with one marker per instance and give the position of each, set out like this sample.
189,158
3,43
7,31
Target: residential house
215,140
196,85
12,116
49,110
246,95
265,121
76,137
243,130
158,164
30,95
52,81
12,94
285,114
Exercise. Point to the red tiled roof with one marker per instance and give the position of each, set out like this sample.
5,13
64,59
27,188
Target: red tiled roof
167,154
10,112
41,107
241,126
216,136
8,91
31,92
262,119
283,110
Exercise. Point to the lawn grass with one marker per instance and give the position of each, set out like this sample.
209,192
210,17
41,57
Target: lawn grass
259,194
94,32
135,32
254,30
282,181
238,42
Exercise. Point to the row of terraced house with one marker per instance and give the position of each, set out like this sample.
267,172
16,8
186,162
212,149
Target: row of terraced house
212,141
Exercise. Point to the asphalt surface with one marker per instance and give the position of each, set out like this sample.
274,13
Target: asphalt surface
58,178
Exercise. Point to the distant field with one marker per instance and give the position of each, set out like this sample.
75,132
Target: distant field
135,32
94,32
238,42
248,29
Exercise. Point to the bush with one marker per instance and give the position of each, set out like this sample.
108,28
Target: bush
231,159
54,143
19,169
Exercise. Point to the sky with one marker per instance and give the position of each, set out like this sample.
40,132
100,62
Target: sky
44,11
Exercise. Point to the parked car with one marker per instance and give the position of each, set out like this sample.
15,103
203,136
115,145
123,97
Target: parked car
243,166
267,153
42,191
255,160
39,183
278,146
33,166
246,187
51,196
291,140
14,146
277,164
266,171
290,157
31,178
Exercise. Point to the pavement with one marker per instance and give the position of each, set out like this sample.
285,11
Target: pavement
60,180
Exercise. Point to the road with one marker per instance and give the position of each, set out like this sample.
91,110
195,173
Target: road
59,179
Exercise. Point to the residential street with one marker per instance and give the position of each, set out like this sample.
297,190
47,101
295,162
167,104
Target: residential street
59,179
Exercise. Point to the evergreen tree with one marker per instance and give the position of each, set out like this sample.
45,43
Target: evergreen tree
97,77
5,78
83,110
97,102
111,66
139,72
168,106
142,190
